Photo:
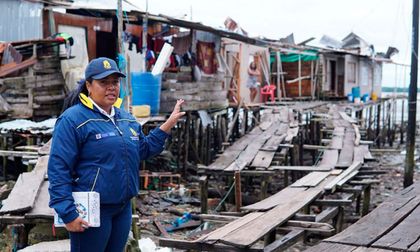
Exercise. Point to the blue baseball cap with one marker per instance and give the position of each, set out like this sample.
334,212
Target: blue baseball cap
101,68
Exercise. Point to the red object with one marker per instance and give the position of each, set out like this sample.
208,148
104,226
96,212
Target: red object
267,90
206,57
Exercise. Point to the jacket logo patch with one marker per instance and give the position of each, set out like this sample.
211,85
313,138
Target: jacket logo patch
133,132
103,135
134,138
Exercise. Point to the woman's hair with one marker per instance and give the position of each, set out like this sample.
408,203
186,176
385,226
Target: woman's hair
253,66
73,97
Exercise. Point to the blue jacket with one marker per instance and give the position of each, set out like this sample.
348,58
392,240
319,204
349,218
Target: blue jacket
90,153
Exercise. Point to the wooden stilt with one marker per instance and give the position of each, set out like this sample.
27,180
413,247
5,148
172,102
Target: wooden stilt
366,200
204,194
238,193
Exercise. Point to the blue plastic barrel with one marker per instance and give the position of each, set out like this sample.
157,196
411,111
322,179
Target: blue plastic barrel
146,90
355,92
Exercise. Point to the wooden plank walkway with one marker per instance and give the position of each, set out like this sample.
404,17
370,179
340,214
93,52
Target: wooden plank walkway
392,226
257,149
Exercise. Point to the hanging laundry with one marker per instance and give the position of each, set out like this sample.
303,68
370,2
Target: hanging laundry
158,45
206,58
181,44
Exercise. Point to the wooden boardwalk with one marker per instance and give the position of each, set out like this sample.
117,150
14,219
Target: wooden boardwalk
266,217
392,226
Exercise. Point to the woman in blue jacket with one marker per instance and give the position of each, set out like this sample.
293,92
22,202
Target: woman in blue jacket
98,147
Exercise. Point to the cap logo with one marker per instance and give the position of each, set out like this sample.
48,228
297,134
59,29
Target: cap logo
107,65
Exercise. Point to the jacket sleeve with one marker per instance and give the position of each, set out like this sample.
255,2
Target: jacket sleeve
152,144
63,157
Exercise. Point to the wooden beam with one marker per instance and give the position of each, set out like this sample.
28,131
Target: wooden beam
298,168
238,193
286,241
343,176
333,202
203,193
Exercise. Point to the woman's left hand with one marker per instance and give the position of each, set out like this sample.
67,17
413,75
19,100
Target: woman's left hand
173,119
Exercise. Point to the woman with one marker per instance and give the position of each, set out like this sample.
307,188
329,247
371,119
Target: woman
252,82
98,147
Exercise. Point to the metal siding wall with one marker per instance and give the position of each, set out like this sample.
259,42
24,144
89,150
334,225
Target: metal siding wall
20,20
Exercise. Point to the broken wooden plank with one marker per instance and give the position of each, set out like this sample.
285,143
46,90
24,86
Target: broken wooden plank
382,220
22,197
344,176
246,156
272,201
251,232
45,149
263,159
326,246
232,226
405,236
345,159
329,159
227,158
311,180
359,153
59,246
41,208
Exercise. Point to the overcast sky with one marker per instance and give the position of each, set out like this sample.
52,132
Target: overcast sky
382,23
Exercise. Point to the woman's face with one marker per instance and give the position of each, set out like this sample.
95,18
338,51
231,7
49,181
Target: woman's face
104,92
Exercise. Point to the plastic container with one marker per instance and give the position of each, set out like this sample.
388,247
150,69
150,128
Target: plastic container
365,98
350,97
374,97
355,92
146,90
356,100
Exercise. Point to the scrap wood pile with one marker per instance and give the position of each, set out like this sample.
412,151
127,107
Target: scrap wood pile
332,183
31,82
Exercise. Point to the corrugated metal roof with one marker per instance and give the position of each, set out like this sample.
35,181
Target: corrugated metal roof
20,20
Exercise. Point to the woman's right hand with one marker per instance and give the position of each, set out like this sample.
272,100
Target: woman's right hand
77,225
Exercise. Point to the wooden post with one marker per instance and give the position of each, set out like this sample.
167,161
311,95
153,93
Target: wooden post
390,130
186,141
412,100
120,27
378,126
270,237
366,200
265,180
238,193
358,200
402,129
339,219
208,146
4,147
30,141
178,144
19,235
204,194
136,234
278,74
299,74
